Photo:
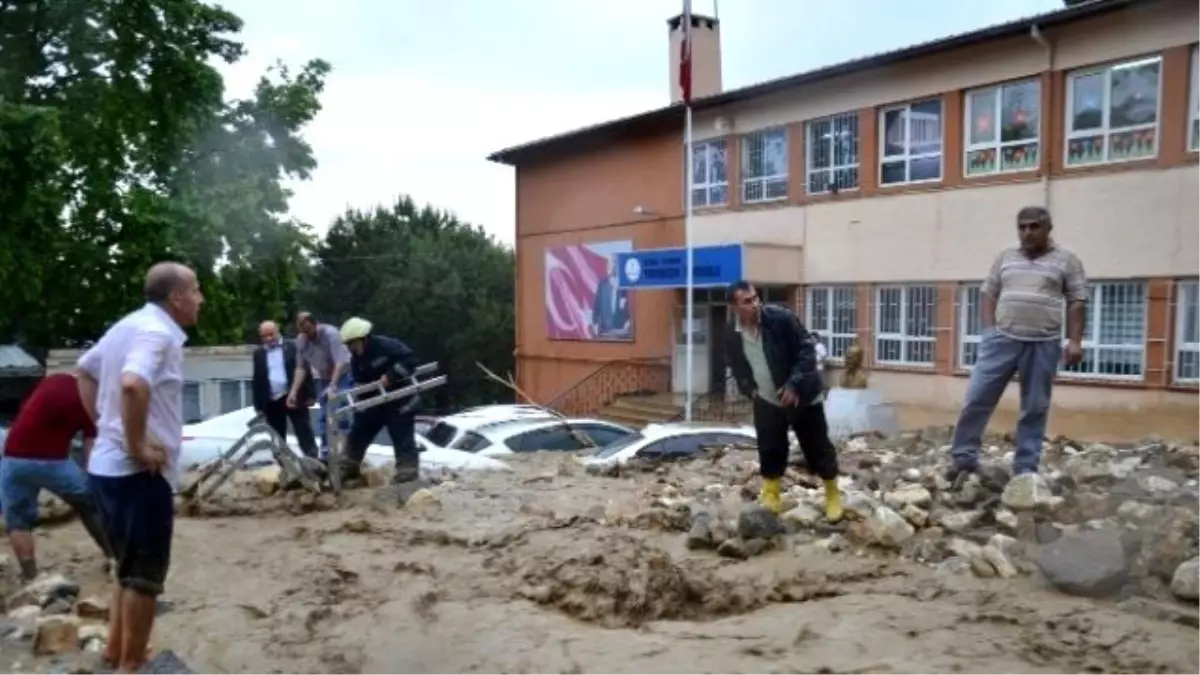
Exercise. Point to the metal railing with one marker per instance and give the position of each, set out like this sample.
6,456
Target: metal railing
613,379
720,404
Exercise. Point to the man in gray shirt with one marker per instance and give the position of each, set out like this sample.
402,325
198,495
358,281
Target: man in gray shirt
1024,297
319,347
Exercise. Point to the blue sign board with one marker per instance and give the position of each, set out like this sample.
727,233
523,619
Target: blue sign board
667,267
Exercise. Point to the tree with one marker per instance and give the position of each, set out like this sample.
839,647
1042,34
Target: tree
423,276
118,149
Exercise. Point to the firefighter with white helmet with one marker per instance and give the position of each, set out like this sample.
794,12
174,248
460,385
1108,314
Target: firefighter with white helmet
377,358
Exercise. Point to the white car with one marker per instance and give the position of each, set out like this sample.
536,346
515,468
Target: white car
505,437
672,440
205,441
448,430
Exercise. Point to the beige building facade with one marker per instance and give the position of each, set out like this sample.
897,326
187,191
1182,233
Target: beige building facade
877,193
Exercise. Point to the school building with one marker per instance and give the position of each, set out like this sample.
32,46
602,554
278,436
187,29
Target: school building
872,196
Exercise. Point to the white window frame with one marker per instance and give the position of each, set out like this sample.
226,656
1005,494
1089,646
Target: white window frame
835,342
834,167
1095,310
906,291
1194,102
1104,130
764,181
908,157
707,149
966,306
245,393
998,145
1182,347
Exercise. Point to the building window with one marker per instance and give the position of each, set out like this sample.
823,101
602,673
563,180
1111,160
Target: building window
1112,112
911,143
1114,332
764,166
970,324
1003,125
233,395
1187,333
710,185
833,154
905,317
832,312
1194,114
191,402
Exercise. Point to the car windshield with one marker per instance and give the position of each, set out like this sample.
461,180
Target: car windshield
617,446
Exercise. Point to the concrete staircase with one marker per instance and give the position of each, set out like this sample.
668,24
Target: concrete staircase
638,410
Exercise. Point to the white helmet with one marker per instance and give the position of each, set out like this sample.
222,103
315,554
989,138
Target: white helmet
355,328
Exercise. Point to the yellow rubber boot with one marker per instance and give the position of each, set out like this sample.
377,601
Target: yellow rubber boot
833,501
769,497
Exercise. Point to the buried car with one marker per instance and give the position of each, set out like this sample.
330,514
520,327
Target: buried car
449,430
207,440
505,437
671,440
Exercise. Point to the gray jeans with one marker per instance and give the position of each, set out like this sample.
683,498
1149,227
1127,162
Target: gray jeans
999,358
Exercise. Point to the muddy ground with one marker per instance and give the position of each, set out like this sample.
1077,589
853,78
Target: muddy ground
550,569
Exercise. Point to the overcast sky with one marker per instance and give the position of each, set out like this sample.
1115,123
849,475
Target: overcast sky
423,90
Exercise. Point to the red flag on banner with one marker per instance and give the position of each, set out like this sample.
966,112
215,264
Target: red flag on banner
685,53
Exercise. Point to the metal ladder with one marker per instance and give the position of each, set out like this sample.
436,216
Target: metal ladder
260,436
345,403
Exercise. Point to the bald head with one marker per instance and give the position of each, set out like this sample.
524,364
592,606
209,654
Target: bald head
173,286
165,278
268,333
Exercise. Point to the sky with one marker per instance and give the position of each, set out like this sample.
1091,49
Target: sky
422,91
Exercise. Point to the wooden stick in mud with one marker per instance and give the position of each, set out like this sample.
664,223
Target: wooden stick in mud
511,384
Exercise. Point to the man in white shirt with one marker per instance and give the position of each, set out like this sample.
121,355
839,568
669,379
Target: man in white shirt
131,382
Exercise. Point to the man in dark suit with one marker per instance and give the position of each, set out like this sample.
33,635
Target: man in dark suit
610,307
274,366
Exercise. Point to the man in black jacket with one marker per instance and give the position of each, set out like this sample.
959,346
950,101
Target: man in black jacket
274,368
377,358
775,364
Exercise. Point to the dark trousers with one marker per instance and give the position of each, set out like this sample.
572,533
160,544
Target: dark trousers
771,424
138,512
278,414
400,426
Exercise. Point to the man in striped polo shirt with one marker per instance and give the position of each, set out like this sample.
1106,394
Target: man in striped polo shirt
1023,299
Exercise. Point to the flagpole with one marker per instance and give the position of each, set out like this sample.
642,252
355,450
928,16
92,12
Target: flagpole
687,244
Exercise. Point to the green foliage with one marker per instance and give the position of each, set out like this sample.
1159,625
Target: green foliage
423,276
118,149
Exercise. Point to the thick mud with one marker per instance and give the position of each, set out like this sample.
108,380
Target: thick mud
525,572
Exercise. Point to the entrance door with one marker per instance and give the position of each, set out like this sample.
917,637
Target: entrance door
716,355
699,325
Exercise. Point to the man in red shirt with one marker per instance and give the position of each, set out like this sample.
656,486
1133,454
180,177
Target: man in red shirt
37,456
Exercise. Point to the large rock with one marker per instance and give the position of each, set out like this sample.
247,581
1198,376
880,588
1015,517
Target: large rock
1087,563
756,522
888,528
56,635
1185,583
909,495
1027,492
859,411
803,516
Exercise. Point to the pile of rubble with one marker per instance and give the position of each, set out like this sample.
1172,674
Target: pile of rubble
49,615
1098,520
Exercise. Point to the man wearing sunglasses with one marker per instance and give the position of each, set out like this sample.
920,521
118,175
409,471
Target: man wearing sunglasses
1025,296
